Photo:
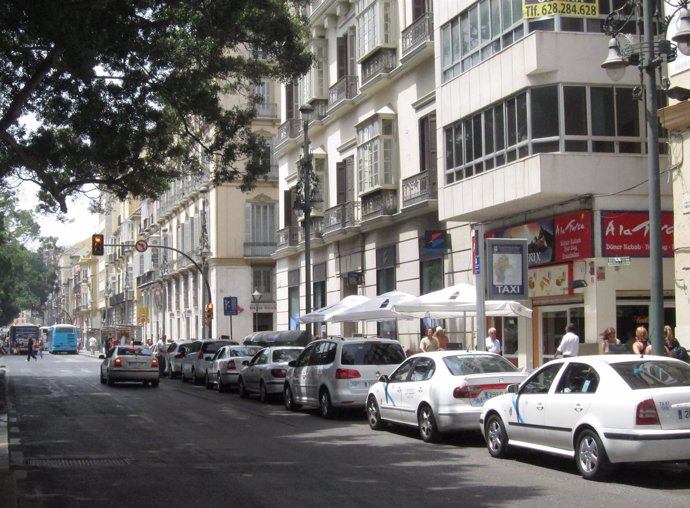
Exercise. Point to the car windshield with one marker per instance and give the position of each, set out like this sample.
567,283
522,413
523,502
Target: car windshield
653,373
244,351
462,365
285,355
372,353
133,351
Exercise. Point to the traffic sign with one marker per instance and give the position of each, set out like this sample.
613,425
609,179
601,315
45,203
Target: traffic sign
141,245
230,305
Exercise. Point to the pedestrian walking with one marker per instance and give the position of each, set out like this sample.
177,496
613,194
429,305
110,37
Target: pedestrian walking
93,343
570,343
31,353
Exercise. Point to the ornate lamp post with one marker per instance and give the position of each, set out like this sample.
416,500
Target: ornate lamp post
647,54
303,201
204,252
256,297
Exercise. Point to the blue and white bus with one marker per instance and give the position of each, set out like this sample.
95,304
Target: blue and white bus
63,339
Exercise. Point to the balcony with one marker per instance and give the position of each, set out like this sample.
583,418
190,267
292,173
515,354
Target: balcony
266,110
288,130
259,249
345,88
340,217
379,203
316,229
288,237
419,188
145,279
416,35
382,61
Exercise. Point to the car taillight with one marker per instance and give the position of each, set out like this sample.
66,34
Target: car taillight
231,364
278,372
646,413
117,362
473,391
154,362
347,374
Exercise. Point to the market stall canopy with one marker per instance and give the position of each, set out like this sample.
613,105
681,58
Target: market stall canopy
459,300
329,312
378,308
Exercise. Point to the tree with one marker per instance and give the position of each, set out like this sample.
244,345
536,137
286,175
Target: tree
127,95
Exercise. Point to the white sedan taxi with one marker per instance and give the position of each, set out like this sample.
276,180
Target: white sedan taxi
601,410
440,392
129,363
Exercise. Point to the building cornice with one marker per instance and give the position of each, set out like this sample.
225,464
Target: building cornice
676,117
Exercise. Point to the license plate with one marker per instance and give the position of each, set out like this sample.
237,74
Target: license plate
684,414
492,394
359,384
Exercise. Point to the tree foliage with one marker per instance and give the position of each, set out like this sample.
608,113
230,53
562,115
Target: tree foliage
127,95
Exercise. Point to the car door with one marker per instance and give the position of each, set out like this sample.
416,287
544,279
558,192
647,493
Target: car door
526,416
569,403
251,375
391,401
214,367
416,389
298,377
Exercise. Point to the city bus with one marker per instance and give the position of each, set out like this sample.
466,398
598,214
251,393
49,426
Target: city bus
19,337
63,339
45,335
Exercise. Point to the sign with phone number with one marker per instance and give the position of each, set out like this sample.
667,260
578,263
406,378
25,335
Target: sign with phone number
539,8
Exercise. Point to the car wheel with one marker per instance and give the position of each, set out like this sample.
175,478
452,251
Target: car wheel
182,376
374,414
496,436
195,380
263,394
209,385
155,383
288,399
221,386
325,405
145,383
241,389
109,381
427,425
590,456
102,379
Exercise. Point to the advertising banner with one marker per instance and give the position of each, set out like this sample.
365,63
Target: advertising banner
507,269
539,236
627,234
578,9
573,236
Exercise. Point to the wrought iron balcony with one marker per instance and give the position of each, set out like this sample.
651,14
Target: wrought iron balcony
316,229
340,217
417,33
259,249
288,237
288,130
381,61
377,204
344,88
419,188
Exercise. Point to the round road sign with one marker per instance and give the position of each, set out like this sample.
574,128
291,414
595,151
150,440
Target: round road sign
141,245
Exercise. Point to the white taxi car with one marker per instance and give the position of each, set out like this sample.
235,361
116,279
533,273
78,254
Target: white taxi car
602,410
439,392
129,363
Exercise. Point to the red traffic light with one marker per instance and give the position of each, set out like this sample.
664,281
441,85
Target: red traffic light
97,245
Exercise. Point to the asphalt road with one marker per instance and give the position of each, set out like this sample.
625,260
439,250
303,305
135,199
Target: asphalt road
76,443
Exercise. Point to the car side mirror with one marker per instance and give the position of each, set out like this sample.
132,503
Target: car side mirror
292,363
513,388
384,378
245,362
101,357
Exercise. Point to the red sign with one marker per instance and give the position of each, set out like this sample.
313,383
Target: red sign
627,234
573,236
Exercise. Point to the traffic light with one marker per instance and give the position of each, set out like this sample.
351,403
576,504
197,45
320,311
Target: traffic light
97,245
209,311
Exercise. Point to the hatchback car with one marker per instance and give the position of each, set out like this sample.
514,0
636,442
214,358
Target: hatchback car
198,357
602,410
173,357
224,367
337,373
440,392
265,373
129,363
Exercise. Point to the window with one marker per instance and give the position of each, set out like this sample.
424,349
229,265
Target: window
260,226
427,143
262,281
431,275
375,25
542,380
578,378
402,372
385,282
375,147
424,369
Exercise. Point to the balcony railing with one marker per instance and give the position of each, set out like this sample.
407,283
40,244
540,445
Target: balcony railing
288,237
377,204
344,88
266,110
289,129
316,229
259,249
382,61
340,216
419,188
418,32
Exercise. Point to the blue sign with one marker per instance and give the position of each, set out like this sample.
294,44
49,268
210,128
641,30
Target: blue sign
230,306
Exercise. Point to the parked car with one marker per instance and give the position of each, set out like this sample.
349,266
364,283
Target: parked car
173,357
440,392
198,357
602,410
224,368
265,372
337,373
129,363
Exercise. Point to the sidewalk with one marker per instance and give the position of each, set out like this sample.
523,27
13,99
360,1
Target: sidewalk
8,498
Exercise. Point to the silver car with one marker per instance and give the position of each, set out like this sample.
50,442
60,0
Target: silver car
129,363
265,373
224,368
337,373
173,357
198,358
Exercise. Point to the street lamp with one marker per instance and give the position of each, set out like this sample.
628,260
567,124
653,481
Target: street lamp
256,296
204,252
303,201
647,55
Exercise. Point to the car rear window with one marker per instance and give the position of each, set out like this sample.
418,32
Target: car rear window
462,365
372,353
133,351
212,347
244,351
285,355
653,373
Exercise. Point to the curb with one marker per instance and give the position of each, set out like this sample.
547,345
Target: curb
8,496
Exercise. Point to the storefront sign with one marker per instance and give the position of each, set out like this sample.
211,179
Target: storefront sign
573,236
549,280
507,268
579,9
627,234
539,237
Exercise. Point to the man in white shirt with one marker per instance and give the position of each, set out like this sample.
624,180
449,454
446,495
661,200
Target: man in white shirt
161,348
570,343
492,342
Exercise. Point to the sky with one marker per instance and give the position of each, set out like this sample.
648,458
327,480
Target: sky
82,222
